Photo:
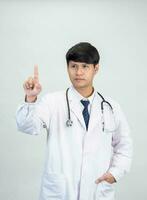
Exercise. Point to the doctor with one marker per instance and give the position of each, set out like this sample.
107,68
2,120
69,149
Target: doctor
88,143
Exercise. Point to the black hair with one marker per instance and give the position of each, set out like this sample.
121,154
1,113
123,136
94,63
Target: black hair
83,52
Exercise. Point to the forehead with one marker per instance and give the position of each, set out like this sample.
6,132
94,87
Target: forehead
78,63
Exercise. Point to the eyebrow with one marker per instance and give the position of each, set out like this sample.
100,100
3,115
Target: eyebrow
75,63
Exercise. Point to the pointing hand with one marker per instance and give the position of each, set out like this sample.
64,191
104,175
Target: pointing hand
31,86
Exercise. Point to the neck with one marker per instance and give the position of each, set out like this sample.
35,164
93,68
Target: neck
85,92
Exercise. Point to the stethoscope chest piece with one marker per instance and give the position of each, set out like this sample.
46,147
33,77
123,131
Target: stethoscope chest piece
69,123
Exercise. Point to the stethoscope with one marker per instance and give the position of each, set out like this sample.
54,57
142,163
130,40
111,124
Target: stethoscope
69,122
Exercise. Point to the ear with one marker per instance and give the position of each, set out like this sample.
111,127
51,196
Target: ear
96,68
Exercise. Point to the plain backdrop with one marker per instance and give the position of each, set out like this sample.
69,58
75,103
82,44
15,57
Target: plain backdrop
41,32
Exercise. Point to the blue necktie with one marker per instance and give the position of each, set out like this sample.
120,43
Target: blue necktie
85,112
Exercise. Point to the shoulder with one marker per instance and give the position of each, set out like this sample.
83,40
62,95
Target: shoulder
114,103
117,109
110,100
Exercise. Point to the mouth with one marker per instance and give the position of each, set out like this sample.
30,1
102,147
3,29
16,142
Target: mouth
79,79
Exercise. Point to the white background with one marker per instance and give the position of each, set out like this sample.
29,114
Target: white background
41,32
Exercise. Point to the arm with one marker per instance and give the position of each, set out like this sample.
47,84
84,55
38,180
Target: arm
32,115
122,147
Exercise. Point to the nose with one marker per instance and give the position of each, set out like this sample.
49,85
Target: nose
79,71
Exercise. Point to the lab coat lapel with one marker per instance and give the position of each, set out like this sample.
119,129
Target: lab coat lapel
95,115
75,108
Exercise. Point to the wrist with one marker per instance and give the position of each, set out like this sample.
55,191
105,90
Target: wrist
30,99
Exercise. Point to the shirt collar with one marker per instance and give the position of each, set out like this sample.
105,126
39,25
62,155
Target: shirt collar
80,97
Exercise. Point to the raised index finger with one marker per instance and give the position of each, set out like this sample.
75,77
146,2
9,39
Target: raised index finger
36,74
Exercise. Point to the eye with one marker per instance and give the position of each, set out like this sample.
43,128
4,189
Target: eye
85,66
73,66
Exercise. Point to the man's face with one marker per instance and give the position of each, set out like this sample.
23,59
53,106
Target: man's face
81,74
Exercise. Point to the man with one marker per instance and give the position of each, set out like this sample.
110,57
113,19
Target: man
88,143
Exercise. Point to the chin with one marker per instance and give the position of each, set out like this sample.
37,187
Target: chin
79,85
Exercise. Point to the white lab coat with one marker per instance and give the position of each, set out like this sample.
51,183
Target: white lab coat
75,158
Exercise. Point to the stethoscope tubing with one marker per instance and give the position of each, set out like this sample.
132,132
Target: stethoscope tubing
69,122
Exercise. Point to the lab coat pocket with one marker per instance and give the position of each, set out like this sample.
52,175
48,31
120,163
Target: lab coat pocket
54,186
107,191
97,192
